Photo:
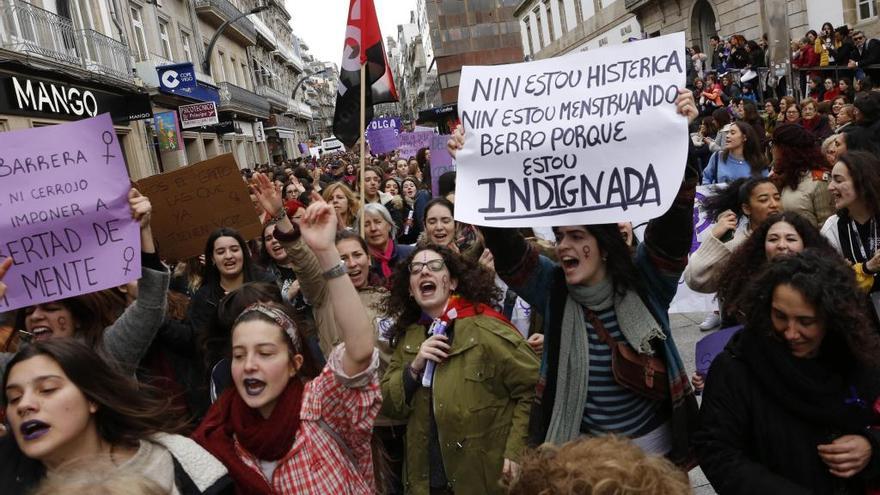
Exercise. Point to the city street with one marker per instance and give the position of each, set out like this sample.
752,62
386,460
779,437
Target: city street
686,331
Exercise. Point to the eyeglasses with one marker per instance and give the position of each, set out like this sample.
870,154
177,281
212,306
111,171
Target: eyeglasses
433,265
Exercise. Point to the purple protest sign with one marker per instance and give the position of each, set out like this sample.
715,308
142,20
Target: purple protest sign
412,142
382,140
66,223
710,346
441,160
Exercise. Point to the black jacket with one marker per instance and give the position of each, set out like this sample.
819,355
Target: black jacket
753,441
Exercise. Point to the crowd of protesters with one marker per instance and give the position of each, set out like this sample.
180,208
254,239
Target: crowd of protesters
367,342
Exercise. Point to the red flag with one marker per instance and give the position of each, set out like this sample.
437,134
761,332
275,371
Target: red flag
363,49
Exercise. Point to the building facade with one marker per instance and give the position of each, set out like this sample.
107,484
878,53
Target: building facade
554,27
72,48
480,32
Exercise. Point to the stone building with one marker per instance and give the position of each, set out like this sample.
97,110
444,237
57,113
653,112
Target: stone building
554,27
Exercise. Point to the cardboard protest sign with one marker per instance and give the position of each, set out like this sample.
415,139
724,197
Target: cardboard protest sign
66,221
411,142
441,160
191,202
586,138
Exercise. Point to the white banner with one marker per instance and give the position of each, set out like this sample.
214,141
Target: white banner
585,138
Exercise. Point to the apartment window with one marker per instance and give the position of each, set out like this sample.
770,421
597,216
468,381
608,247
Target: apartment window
867,9
140,39
164,40
548,14
221,66
184,43
244,76
563,18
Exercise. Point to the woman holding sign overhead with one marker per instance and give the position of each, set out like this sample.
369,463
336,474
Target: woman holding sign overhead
126,340
599,302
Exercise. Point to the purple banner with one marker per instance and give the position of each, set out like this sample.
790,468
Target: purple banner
66,221
441,160
382,140
412,142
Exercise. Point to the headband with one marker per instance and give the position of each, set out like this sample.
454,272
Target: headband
279,317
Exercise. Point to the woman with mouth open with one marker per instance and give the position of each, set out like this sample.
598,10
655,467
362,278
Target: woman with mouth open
355,254
276,432
126,340
855,190
600,293
67,407
442,229
461,375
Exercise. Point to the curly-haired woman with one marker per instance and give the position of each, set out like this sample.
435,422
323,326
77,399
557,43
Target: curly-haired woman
787,405
461,374
801,173
855,189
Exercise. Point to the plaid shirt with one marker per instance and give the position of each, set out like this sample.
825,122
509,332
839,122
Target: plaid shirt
316,463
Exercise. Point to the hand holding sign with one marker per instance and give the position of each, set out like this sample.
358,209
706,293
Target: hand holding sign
4,267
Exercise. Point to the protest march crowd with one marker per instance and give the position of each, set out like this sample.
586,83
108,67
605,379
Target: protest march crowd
367,342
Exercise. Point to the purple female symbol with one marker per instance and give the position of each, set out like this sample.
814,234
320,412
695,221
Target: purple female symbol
128,256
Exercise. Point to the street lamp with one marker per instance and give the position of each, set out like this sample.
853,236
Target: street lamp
206,63
304,77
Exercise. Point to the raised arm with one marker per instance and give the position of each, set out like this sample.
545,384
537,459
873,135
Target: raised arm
318,230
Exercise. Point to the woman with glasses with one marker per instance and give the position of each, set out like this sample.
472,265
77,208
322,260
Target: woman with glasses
462,376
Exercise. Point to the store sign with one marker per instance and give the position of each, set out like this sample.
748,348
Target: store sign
259,133
167,131
177,77
198,114
40,97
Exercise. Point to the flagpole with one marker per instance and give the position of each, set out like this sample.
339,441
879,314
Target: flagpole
363,125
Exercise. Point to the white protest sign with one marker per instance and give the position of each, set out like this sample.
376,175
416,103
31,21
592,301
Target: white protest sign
587,138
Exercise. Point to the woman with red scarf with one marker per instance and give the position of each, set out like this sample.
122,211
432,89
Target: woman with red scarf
461,374
380,230
278,433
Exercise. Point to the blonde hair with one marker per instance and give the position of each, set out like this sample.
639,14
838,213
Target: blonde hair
354,204
597,466
97,477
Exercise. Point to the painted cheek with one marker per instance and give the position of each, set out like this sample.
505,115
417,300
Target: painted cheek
587,252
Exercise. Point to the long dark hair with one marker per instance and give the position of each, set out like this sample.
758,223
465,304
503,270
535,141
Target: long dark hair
475,284
828,284
92,313
859,139
800,154
751,148
127,411
750,257
212,274
619,263
732,197
864,169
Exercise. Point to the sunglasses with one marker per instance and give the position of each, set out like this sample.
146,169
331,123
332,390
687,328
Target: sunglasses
433,265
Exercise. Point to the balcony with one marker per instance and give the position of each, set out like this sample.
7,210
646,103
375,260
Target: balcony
290,56
29,29
216,12
239,100
277,99
264,34
299,109
632,5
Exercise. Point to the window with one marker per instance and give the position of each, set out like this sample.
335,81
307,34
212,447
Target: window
867,9
220,67
164,40
184,44
140,40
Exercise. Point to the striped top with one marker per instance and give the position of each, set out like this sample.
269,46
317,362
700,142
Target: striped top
611,408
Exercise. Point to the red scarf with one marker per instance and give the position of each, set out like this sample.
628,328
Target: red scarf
384,258
267,439
458,307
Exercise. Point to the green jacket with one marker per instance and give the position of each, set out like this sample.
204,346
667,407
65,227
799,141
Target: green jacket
482,396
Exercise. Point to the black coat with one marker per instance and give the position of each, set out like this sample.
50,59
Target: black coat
752,441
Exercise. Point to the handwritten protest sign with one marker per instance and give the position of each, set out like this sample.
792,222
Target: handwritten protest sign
591,137
382,140
191,202
441,161
66,222
411,142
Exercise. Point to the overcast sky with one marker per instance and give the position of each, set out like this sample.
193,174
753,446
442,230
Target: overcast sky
321,23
